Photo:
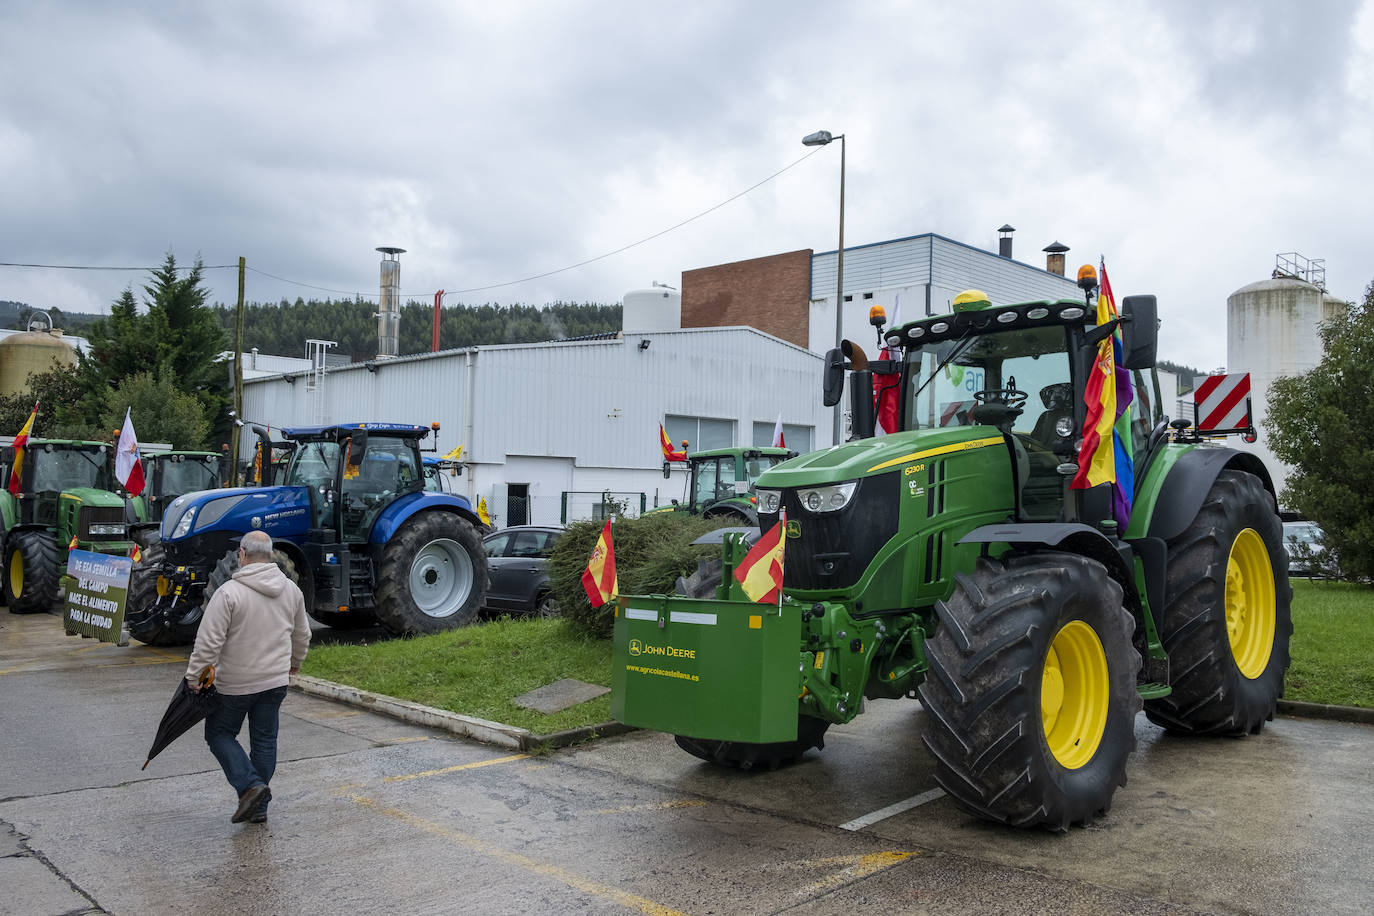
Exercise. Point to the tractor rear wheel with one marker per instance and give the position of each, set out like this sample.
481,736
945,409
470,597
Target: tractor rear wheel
1227,616
31,581
146,622
810,731
433,575
1031,691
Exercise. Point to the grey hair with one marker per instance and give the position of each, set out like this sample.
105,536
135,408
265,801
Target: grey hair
257,547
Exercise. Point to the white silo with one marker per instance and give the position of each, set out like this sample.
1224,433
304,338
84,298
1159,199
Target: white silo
1272,331
655,309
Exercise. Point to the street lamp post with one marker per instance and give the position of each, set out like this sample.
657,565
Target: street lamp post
822,138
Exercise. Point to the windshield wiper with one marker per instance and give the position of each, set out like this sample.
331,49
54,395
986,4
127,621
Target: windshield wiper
960,346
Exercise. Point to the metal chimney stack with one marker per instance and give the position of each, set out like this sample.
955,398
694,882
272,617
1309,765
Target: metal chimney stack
389,312
1054,257
1004,240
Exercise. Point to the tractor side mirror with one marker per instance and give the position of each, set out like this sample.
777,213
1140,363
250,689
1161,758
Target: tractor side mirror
357,448
832,386
667,470
861,403
1139,332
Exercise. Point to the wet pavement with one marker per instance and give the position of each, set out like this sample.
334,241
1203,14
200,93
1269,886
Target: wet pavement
375,816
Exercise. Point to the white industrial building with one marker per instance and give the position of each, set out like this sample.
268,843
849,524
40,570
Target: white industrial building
555,426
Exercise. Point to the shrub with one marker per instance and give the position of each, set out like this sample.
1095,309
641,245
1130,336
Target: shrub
650,553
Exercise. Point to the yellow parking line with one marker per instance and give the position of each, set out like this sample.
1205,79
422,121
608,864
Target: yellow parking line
455,769
656,806
854,868
595,888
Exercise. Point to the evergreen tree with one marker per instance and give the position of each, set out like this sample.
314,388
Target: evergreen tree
1322,423
177,341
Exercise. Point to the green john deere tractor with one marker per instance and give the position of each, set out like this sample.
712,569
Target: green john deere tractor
65,494
952,561
720,482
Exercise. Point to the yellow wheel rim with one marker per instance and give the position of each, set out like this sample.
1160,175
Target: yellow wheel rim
1074,694
16,574
1250,604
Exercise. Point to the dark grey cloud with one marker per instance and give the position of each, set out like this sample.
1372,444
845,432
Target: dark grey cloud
1187,142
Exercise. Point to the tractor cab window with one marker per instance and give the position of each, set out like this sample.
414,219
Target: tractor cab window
753,467
386,471
315,465
65,468
1024,378
713,479
187,475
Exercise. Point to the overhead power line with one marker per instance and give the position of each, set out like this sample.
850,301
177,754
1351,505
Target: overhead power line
472,289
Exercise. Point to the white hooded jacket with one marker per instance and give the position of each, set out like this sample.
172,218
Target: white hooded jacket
254,632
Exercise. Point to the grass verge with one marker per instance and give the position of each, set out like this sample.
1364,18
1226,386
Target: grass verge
478,670
1333,644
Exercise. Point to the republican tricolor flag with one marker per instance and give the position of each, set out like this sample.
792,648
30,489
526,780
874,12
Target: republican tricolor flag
20,441
128,463
1105,456
599,579
760,572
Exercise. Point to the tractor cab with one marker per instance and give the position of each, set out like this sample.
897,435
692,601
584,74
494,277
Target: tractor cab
168,475
352,473
720,482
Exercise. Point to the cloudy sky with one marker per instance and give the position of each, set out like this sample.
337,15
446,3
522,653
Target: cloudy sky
1188,142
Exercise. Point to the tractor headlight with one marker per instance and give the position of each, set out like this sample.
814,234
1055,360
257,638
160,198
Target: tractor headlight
827,499
183,527
108,530
769,501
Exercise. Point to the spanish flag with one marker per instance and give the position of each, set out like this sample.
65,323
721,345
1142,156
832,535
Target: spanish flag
669,454
136,555
760,572
599,579
20,441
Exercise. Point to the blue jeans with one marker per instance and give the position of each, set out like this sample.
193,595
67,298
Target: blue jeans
222,731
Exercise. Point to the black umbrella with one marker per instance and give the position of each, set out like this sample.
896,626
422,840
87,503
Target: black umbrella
186,709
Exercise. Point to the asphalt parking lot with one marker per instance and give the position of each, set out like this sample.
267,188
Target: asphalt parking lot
373,815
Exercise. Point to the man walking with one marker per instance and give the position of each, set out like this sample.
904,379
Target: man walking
255,634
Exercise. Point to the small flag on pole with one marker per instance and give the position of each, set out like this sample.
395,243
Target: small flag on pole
599,579
482,512
72,545
778,440
128,461
760,572
136,555
20,441
669,453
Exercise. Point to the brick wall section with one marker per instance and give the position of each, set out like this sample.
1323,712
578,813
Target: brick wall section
772,294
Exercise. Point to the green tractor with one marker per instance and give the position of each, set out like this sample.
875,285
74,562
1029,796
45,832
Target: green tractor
720,482
952,561
65,496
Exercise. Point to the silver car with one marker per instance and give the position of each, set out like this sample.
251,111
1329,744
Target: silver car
1303,543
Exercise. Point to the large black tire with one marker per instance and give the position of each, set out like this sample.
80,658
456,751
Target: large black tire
433,575
31,580
810,731
1227,618
145,621
1032,690
229,564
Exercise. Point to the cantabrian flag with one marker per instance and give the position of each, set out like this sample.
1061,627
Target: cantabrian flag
128,461
482,512
669,453
20,441
760,572
779,441
599,579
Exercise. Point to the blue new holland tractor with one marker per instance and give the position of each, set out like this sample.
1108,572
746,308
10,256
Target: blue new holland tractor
353,524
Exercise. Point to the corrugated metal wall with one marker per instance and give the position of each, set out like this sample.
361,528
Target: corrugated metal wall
597,403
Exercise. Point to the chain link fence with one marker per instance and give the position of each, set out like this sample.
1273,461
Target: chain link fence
598,505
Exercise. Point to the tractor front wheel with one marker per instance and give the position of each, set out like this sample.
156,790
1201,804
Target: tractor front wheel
31,581
433,575
1031,691
1227,615
146,621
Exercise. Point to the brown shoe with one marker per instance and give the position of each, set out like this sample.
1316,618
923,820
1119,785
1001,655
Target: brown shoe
248,802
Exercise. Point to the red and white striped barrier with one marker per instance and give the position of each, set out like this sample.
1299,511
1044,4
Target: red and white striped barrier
1222,403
